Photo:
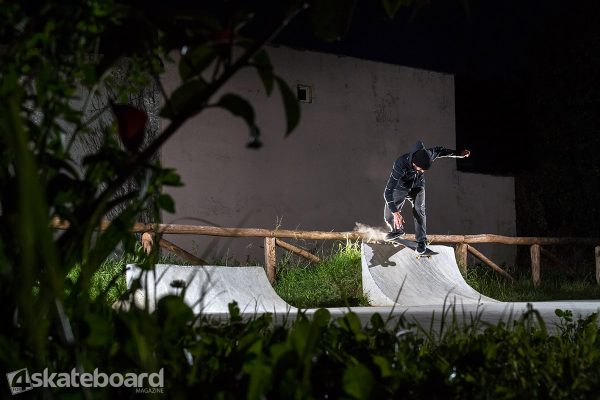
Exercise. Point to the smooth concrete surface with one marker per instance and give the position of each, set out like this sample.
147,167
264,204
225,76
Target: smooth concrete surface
209,289
393,275
331,171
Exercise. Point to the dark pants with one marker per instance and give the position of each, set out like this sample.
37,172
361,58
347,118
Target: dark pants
416,196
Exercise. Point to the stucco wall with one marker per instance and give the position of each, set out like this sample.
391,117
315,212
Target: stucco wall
487,205
331,172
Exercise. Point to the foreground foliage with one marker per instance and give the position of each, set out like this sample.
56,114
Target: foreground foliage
325,357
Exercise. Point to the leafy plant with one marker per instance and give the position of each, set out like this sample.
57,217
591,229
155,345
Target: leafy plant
74,75
59,59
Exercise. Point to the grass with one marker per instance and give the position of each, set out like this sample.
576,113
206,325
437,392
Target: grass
107,281
335,282
554,285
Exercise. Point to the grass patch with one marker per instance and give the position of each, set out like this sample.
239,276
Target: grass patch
108,281
335,282
554,285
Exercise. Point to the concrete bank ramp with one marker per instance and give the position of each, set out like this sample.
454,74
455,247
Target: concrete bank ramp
209,289
393,275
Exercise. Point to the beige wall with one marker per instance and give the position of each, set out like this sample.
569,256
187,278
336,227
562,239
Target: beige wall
487,205
331,172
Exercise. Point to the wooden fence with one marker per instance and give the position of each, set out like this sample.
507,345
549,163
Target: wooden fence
273,238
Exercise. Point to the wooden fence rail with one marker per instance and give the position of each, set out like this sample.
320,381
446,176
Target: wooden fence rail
462,242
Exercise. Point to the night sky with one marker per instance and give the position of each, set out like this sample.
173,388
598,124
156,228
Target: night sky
499,51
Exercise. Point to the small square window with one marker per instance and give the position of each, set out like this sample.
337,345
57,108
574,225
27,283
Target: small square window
304,93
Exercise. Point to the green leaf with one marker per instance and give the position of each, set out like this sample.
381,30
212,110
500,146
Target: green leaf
196,61
166,202
358,381
299,335
234,312
263,66
331,18
37,253
101,330
110,238
392,6
352,322
238,107
5,266
292,108
188,95
384,366
321,317
377,322
173,313
251,343
169,177
278,351
260,378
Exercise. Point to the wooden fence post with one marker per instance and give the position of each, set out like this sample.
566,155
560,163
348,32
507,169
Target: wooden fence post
461,257
165,244
535,264
489,263
297,250
270,258
598,265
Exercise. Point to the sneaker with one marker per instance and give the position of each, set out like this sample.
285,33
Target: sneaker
395,234
421,247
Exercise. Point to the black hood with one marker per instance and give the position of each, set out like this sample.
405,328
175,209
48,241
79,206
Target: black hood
418,146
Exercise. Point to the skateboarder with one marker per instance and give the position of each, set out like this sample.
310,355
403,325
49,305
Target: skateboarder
407,182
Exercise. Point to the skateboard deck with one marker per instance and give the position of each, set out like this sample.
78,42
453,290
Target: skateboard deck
412,245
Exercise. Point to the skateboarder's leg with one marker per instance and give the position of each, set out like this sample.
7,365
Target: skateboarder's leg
417,196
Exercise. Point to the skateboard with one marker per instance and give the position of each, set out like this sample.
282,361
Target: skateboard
412,245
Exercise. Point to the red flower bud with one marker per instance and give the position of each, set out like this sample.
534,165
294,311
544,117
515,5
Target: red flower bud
131,123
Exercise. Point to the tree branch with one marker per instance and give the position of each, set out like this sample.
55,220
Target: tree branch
89,213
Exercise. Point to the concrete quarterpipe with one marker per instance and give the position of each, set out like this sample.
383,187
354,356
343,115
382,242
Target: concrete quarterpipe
209,289
397,284
428,289
393,275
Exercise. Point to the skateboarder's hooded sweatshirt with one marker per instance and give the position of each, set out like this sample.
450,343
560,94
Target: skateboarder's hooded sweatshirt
404,177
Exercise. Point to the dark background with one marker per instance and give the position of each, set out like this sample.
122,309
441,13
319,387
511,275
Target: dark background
527,76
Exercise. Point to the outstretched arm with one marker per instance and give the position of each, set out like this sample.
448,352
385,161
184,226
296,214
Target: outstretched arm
439,152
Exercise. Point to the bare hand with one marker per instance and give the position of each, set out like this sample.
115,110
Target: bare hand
465,153
398,220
